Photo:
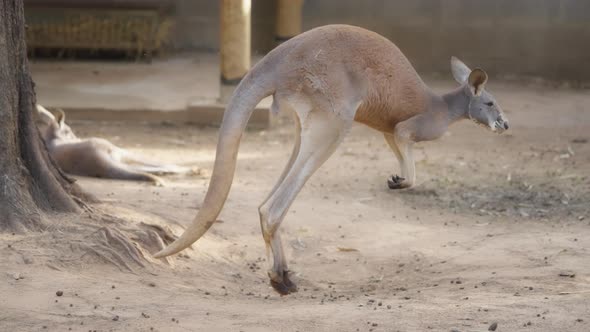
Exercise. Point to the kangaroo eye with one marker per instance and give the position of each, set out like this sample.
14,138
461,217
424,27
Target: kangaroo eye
490,104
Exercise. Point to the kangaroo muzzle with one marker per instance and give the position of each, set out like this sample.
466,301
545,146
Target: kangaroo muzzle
501,124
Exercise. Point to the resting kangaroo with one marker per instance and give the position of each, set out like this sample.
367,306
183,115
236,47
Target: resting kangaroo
329,77
94,157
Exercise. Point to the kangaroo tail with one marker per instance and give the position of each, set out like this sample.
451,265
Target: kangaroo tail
240,106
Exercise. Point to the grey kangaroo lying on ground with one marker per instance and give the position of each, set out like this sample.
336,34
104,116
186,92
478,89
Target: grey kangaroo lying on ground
330,77
93,156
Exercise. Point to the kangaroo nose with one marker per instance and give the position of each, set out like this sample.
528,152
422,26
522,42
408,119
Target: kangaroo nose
506,125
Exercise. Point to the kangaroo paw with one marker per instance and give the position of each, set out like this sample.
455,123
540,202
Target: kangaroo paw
396,182
158,182
285,286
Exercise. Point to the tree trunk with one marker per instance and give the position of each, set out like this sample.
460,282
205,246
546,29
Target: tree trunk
30,182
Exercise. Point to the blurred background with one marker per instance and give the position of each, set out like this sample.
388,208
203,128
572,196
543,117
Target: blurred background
177,55
522,37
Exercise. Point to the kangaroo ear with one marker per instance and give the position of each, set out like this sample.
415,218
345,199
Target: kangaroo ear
460,70
60,117
477,81
44,114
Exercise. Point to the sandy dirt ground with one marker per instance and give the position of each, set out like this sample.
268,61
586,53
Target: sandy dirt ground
496,232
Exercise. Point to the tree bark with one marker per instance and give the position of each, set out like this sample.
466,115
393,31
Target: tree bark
30,182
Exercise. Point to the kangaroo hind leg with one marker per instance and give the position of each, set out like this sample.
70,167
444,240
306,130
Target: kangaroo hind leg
288,166
120,171
141,164
294,153
322,131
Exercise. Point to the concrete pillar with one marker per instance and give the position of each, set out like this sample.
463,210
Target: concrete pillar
288,19
235,40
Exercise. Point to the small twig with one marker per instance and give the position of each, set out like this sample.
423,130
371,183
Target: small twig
580,292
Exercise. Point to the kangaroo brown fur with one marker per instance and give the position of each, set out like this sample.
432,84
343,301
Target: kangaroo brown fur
329,77
95,157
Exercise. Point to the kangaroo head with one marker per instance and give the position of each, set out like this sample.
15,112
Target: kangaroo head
53,127
45,122
482,108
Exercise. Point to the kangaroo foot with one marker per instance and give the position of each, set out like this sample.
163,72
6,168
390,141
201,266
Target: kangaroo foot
284,286
158,182
397,182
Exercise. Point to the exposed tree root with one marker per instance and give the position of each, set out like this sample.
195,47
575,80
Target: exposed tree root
18,217
126,244
112,246
154,237
91,238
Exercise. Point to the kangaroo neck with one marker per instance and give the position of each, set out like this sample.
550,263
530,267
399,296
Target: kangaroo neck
455,103
440,111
